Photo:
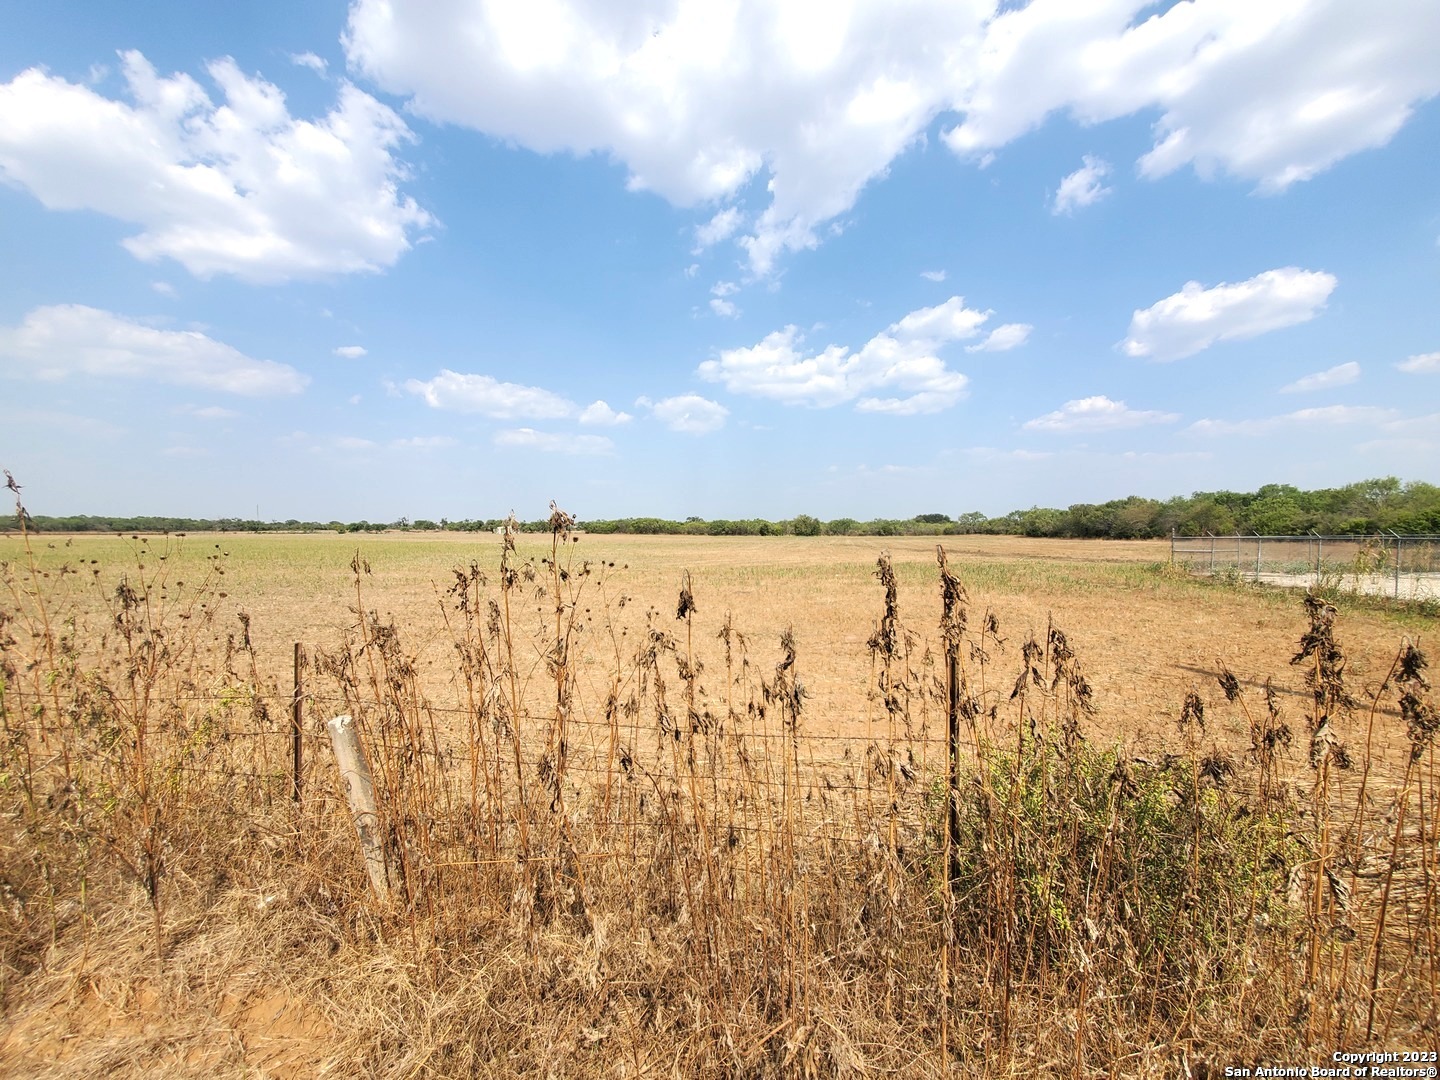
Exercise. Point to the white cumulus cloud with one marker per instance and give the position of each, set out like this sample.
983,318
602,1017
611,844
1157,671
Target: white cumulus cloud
688,413
488,396
695,98
485,395
1195,318
719,304
351,352
70,339
1269,92
552,442
700,100
599,413
1003,338
896,371
311,61
1339,375
720,227
240,188
1098,413
933,275
1082,187
1421,364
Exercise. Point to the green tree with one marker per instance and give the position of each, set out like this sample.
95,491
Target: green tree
805,525
972,522
1207,516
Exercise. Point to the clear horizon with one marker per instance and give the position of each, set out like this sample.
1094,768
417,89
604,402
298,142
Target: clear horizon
258,516
371,261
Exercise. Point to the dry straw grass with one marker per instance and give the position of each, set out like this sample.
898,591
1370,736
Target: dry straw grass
674,875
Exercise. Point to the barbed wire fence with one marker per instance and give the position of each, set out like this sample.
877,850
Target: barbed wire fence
851,785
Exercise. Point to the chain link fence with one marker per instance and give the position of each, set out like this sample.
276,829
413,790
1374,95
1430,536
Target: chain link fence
1403,566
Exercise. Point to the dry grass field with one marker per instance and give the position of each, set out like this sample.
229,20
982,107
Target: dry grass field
1146,637
620,841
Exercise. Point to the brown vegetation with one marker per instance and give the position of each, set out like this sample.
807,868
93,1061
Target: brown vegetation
622,839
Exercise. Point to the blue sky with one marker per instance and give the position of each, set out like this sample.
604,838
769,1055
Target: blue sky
727,259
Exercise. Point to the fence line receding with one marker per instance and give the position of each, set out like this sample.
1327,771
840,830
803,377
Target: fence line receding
1404,566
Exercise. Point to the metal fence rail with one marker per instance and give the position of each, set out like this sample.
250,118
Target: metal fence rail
1405,566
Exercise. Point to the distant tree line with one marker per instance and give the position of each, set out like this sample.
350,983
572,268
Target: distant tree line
1275,509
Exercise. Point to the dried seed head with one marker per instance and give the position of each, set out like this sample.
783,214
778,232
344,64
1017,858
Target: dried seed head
1412,666
1192,712
1228,683
1325,745
1060,650
1276,736
687,600
886,640
1326,674
561,523
953,600
1031,656
1216,768
1272,700
1081,692
1421,723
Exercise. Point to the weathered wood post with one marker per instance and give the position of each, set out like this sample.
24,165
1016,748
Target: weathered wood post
360,790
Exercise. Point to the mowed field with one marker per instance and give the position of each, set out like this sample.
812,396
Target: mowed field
1145,636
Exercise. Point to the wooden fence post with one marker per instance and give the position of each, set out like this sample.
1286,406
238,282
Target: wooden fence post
360,790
